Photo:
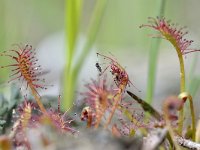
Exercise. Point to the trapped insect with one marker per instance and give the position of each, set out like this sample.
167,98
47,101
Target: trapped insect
119,74
98,67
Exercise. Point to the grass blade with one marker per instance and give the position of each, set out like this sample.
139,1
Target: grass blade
71,80
146,107
154,50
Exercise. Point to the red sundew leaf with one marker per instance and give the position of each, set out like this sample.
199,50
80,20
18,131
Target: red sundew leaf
25,113
120,76
121,80
172,33
59,120
97,97
25,67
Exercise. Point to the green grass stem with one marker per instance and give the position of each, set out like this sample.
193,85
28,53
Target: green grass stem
194,80
153,56
186,95
71,80
72,13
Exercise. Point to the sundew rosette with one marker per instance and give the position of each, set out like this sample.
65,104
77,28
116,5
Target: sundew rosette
25,68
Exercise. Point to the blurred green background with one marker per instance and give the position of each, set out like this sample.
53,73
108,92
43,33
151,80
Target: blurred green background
118,32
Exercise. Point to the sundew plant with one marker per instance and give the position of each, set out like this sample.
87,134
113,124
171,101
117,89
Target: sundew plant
109,110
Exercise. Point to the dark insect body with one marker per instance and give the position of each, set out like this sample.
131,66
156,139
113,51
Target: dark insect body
98,67
119,74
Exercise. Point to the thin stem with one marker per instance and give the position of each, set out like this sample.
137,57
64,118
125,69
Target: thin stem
193,117
153,58
182,89
37,98
166,105
188,96
182,85
182,73
182,80
117,98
